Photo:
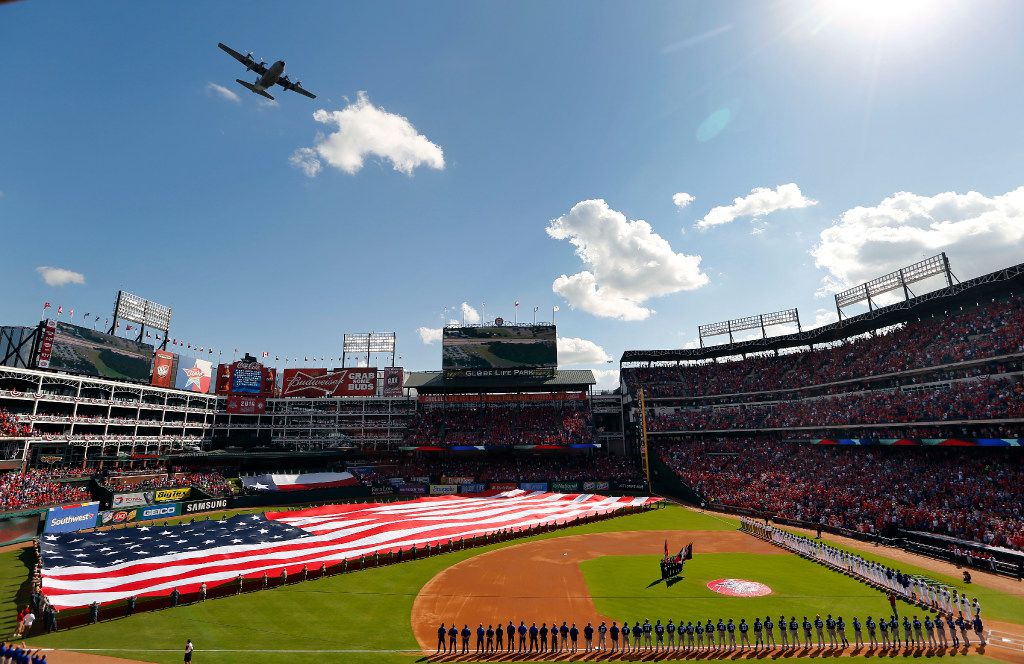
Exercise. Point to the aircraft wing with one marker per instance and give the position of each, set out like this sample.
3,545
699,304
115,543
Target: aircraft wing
244,59
295,87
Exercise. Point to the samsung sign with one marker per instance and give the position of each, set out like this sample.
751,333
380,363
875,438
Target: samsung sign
204,505
70,518
159,511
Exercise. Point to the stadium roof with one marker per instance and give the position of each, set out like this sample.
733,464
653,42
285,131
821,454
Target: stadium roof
990,285
434,381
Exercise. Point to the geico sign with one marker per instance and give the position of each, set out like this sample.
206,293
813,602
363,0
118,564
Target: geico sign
160,511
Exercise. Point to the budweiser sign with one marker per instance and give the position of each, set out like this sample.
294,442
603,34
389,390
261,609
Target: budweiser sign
312,383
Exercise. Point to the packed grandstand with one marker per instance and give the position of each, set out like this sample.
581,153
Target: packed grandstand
903,420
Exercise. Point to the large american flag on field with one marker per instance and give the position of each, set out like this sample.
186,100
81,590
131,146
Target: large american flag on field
80,568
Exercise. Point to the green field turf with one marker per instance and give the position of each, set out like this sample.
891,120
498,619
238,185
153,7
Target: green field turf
370,610
622,587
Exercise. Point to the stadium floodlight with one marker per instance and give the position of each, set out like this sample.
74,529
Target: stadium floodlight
900,279
761,321
367,344
146,313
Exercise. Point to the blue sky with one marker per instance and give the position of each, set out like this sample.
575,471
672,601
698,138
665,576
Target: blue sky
123,163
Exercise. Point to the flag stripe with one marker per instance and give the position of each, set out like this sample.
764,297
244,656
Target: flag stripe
78,570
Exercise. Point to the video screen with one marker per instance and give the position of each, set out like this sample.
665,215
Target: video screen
477,350
80,350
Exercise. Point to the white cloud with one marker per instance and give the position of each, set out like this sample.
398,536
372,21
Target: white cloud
607,379
58,276
759,202
364,129
979,233
682,199
573,350
223,92
469,314
429,335
627,263
306,159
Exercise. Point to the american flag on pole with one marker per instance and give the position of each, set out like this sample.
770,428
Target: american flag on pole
108,566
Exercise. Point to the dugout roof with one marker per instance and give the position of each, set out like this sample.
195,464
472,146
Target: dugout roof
935,303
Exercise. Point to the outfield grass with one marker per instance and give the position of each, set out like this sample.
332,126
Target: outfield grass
370,610
621,587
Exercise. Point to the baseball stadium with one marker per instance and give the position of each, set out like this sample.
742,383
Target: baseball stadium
738,500
472,345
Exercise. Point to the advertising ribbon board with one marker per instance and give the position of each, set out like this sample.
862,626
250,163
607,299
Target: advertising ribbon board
471,488
534,486
117,517
443,489
595,486
159,511
204,505
565,487
503,486
131,499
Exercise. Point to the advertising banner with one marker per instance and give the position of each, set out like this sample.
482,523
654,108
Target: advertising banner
503,486
241,405
630,486
131,499
448,479
422,479
534,486
502,398
69,518
595,486
313,383
204,505
163,369
46,344
167,495
223,382
247,378
394,379
381,490
193,374
117,517
413,489
159,511
471,488
16,529
443,489
565,487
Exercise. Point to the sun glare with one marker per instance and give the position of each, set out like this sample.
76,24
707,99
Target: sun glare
880,15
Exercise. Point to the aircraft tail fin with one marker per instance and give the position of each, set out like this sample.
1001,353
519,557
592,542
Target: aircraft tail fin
253,88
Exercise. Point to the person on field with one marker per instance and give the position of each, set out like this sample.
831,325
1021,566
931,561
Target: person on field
453,639
743,628
490,638
441,632
819,624
602,631
465,639
894,631
522,636
510,633
554,636
499,638
588,637
189,649
534,632
543,635
979,629
659,635
638,631
480,631
613,634
574,635
794,632
841,627
883,630
625,635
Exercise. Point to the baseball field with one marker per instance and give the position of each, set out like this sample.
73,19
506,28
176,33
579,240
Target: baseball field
606,570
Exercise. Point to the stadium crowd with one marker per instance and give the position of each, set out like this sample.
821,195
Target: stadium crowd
10,427
560,423
37,488
971,494
211,482
981,399
988,331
